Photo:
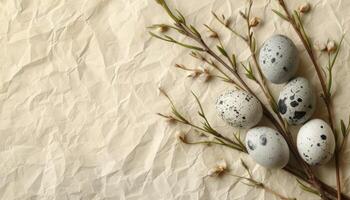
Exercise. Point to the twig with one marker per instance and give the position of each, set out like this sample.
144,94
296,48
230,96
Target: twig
298,27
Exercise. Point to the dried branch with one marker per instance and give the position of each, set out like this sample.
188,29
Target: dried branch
295,20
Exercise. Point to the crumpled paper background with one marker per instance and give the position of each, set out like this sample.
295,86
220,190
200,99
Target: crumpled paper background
79,96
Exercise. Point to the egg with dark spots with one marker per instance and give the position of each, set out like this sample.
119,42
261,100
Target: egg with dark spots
239,109
297,101
267,147
278,59
316,142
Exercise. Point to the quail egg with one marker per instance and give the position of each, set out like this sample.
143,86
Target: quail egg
278,59
296,102
267,147
316,142
239,108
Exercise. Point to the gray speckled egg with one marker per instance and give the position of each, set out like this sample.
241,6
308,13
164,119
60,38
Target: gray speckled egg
296,102
267,147
278,59
316,142
239,108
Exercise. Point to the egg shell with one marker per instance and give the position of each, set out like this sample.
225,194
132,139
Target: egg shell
316,142
267,147
297,101
278,59
239,108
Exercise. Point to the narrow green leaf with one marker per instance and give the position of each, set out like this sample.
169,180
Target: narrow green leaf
233,57
194,30
343,128
307,188
190,46
301,27
249,73
248,184
181,18
169,38
245,165
159,1
198,102
253,45
167,9
222,51
337,52
280,14
159,37
331,65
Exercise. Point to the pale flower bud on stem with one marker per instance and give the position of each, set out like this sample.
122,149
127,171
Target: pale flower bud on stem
227,22
214,35
195,73
331,46
320,46
218,169
181,136
255,21
181,66
207,75
168,118
163,28
305,8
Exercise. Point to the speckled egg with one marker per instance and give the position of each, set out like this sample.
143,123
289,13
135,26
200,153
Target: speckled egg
239,108
296,102
278,59
316,142
267,147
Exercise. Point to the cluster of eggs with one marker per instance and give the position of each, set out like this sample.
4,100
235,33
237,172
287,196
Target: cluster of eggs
279,62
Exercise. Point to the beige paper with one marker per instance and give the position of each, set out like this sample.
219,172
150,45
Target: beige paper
79,96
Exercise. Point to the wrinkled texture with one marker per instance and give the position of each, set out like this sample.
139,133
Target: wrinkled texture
78,97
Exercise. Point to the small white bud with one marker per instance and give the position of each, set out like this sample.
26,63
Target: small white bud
254,21
218,169
331,46
320,46
305,8
222,164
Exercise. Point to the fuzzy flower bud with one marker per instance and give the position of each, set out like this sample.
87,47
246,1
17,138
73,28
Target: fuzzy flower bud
254,21
218,169
195,73
305,8
331,46
320,46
